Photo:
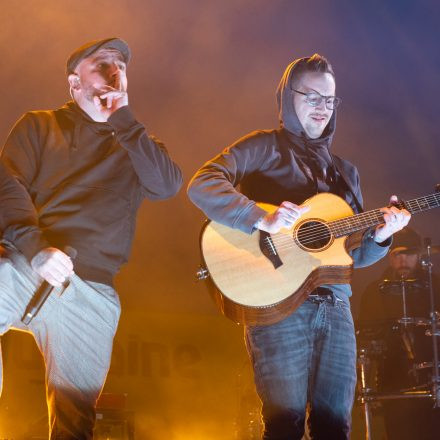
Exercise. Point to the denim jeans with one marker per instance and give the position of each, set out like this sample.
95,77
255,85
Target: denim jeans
309,357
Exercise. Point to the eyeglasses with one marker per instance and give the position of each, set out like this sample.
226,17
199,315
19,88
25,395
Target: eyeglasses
315,98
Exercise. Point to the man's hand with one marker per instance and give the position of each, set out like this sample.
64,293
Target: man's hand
284,217
112,98
2,252
53,265
395,220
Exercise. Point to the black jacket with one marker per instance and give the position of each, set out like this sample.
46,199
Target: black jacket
86,180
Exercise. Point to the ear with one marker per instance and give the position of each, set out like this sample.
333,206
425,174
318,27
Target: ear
74,81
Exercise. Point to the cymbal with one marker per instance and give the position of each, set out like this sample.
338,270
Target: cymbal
394,287
373,328
415,321
434,249
373,323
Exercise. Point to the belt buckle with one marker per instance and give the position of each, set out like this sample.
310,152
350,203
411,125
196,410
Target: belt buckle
318,299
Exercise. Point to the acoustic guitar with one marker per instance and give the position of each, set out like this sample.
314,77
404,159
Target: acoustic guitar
261,278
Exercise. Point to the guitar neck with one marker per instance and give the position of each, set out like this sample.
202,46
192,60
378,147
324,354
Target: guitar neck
349,225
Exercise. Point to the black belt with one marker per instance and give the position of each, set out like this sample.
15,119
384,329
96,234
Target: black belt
321,294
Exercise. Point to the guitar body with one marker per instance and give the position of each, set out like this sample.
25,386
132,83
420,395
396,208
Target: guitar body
262,278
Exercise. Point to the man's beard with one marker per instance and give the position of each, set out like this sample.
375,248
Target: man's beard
90,92
404,272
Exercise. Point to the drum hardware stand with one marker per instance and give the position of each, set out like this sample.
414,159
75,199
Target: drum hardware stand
367,395
367,398
407,337
434,332
404,320
364,362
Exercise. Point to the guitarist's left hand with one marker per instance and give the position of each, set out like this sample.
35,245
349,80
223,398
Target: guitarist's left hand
395,220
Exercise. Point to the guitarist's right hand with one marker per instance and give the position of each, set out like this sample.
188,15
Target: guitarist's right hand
283,217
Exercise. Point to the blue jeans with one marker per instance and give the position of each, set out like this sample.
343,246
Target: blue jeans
309,357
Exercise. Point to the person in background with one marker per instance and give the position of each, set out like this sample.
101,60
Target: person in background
406,359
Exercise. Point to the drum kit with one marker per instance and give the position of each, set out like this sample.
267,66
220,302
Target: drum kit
399,358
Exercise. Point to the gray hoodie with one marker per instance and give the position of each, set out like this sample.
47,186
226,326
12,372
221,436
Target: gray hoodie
272,166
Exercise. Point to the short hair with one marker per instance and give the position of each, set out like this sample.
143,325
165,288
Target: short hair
315,63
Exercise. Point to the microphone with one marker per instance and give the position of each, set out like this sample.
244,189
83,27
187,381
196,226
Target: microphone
43,292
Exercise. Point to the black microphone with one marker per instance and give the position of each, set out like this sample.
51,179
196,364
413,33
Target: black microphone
43,292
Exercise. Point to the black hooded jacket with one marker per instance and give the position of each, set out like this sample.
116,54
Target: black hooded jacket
85,180
272,166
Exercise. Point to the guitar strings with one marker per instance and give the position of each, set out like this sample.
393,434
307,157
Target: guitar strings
320,230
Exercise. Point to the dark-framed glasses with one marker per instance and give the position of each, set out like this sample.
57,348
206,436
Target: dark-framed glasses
314,99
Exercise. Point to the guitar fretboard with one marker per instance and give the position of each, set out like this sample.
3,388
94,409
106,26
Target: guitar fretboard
349,225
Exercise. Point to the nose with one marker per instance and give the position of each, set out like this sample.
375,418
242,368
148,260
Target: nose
114,74
114,68
321,106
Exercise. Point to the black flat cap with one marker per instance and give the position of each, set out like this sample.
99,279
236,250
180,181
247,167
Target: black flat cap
406,241
92,46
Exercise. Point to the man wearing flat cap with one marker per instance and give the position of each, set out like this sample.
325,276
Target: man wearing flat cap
405,359
83,171
403,263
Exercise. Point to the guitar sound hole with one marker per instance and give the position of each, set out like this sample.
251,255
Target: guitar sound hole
313,235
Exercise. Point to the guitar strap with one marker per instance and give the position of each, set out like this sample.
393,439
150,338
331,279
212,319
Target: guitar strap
337,162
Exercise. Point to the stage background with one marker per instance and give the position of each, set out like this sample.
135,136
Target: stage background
203,74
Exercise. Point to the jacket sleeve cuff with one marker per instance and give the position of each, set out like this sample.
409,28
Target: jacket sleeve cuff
373,248
122,119
248,218
28,241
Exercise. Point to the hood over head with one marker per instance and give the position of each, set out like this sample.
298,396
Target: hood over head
287,115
